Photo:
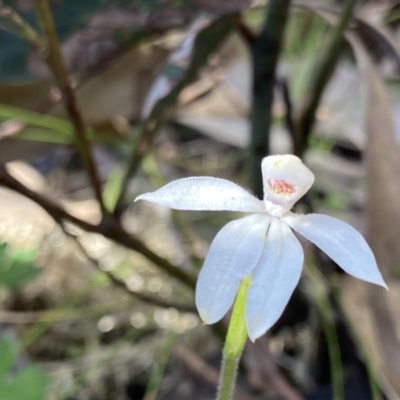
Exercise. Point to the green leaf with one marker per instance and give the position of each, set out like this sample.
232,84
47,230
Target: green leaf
30,384
45,135
36,119
396,271
3,249
49,129
112,187
8,355
18,269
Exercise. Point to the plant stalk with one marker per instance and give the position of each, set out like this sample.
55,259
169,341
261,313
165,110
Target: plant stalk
21,27
140,148
320,78
265,53
234,344
322,301
57,66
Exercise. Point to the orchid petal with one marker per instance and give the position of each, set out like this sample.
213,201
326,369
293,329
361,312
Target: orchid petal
233,254
285,180
274,278
341,242
204,193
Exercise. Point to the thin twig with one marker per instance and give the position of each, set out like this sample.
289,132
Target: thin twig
289,121
245,32
56,64
21,27
259,360
58,315
265,51
139,151
121,283
197,365
110,229
320,78
203,370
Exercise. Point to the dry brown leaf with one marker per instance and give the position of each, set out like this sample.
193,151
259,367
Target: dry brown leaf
120,88
373,310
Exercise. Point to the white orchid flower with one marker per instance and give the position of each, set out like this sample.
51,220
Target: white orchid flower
263,244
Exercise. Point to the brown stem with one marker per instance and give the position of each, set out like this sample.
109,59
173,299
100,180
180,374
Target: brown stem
245,32
139,151
108,228
56,64
289,121
265,52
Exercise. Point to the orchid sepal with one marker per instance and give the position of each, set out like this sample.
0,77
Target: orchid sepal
263,243
341,242
204,194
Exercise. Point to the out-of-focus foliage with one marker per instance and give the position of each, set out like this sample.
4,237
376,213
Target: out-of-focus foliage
19,383
16,269
76,314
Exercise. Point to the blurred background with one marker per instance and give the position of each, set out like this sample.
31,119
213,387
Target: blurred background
103,100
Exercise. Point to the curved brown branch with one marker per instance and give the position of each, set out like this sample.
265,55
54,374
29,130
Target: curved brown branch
108,228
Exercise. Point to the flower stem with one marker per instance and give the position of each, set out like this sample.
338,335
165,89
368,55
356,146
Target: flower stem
234,344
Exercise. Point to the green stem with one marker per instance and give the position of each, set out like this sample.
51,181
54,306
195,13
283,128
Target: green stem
160,362
360,344
321,300
335,359
20,27
320,78
36,119
234,344
140,148
56,64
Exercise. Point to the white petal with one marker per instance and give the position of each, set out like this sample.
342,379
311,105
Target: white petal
233,254
285,180
341,242
274,279
204,193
